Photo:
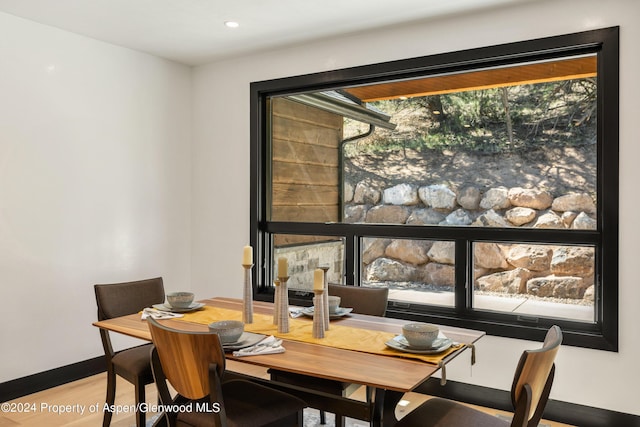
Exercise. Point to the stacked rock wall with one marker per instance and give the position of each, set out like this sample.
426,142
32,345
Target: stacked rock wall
541,270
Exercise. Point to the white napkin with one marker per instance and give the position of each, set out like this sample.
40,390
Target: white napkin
295,312
159,314
269,345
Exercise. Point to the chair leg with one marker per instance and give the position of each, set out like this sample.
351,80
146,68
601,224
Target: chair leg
111,397
323,418
140,398
339,420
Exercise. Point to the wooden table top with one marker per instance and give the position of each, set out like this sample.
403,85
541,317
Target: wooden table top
386,372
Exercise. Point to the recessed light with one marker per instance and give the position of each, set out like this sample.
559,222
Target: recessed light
231,24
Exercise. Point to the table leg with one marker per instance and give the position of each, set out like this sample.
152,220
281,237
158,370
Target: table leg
384,406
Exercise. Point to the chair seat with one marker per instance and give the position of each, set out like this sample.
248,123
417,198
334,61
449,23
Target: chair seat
253,406
134,363
437,412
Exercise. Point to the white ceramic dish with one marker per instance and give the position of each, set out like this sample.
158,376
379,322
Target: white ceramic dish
342,311
166,307
400,343
247,339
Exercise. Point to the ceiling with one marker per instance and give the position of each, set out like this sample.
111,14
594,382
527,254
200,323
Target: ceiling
193,32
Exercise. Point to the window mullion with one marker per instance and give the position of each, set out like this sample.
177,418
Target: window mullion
463,275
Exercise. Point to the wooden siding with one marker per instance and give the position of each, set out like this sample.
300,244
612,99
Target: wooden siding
305,165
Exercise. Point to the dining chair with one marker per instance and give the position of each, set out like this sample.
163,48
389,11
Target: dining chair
529,394
363,300
132,364
193,363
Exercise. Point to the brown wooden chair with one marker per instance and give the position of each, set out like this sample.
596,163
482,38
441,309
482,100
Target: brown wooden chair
133,364
529,394
194,364
371,301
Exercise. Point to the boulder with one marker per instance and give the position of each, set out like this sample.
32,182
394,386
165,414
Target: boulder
557,287
549,220
531,257
469,197
457,217
495,198
529,198
388,270
584,222
575,261
409,251
401,194
443,252
355,213
488,255
510,282
366,194
519,216
438,197
347,192
568,217
373,248
490,219
425,217
578,202
589,294
387,214
439,274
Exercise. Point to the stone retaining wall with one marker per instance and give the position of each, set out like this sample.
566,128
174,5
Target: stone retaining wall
541,270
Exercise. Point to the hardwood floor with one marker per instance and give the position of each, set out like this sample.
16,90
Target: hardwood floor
79,404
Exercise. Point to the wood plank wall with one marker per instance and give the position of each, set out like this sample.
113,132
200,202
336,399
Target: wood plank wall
305,168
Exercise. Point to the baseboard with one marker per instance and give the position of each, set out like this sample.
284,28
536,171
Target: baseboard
562,412
44,380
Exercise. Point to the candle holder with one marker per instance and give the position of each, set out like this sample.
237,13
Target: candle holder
325,304
318,314
247,306
283,314
276,302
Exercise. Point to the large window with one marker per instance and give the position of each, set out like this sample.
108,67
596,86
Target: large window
480,187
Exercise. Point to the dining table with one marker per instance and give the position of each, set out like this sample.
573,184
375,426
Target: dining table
362,358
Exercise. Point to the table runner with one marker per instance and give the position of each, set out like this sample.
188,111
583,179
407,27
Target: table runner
338,336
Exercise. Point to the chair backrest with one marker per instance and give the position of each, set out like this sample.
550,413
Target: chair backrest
120,299
185,357
533,378
371,301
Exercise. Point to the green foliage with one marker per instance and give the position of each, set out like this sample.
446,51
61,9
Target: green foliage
490,120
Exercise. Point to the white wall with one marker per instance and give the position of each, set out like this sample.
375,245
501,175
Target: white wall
220,215
95,171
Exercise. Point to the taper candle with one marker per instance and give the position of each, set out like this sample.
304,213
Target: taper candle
247,256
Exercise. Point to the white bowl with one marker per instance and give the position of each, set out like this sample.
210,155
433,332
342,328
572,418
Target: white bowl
228,330
334,303
420,335
180,299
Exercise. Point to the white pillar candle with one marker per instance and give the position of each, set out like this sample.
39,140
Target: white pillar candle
283,267
247,257
318,279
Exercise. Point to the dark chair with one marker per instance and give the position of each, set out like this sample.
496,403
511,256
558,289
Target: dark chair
371,301
194,364
133,364
529,394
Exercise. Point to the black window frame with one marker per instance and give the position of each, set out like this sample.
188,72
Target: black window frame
603,334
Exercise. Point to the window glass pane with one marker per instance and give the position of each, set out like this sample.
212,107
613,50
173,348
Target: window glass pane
306,253
505,147
535,280
416,271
